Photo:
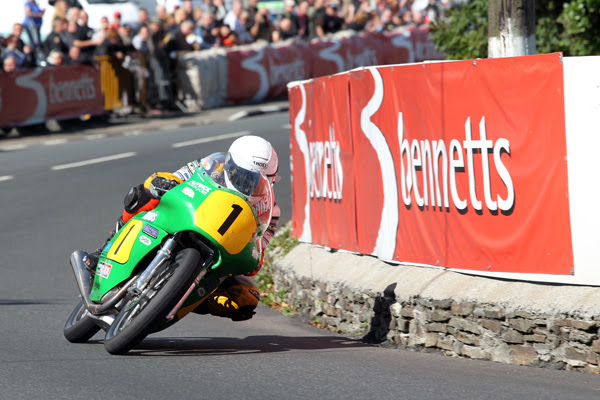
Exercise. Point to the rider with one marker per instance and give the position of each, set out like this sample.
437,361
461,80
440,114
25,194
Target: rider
237,296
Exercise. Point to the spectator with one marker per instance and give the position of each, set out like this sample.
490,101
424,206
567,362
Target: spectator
286,30
207,31
56,58
76,56
188,9
142,42
316,15
359,22
56,39
178,41
84,38
161,13
142,20
303,20
252,10
331,22
17,32
116,21
219,11
289,12
263,28
9,64
111,46
23,58
197,15
206,5
235,24
227,37
60,9
100,34
33,22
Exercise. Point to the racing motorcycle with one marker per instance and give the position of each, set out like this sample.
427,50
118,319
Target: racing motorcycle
163,263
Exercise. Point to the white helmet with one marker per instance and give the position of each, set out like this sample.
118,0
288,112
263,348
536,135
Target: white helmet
247,158
257,151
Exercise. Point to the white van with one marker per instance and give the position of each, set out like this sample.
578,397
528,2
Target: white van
96,9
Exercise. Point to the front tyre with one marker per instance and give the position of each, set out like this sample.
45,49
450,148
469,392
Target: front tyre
142,313
80,327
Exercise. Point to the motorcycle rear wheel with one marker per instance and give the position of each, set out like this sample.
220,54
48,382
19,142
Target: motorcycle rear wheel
80,327
141,314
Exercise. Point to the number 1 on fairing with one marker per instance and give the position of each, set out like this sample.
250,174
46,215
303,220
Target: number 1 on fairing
237,210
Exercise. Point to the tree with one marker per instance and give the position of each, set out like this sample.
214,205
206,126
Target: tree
572,27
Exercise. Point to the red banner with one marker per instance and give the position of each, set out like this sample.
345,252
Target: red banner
258,74
34,96
323,185
459,164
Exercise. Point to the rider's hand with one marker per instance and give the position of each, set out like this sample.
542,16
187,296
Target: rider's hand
160,186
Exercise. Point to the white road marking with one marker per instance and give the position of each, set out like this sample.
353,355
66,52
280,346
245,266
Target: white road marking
14,147
286,126
54,142
6,178
94,161
96,136
210,139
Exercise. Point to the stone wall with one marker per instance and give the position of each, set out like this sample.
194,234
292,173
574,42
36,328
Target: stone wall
496,331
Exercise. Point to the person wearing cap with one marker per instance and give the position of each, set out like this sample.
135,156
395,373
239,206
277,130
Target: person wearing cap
116,21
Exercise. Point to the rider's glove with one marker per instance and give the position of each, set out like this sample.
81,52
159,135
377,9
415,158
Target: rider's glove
160,186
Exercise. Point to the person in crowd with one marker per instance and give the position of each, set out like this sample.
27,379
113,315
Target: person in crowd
303,20
331,22
263,27
316,15
143,19
112,46
17,32
235,24
219,11
84,38
23,58
161,13
178,41
359,21
56,40
188,9
9,64
252,10
289,12
61,7
76,56
197,15
56,58
286,30
116,21
227,37
33,22
207,31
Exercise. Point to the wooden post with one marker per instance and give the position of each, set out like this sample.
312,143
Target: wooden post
511,25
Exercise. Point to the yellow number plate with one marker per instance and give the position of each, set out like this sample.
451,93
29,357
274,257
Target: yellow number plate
228,219
121,247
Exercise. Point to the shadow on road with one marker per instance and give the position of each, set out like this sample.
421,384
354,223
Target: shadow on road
206,346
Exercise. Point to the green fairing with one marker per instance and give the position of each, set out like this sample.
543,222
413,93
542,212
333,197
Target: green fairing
175,213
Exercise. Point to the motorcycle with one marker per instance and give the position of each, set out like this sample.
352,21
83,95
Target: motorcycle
163,263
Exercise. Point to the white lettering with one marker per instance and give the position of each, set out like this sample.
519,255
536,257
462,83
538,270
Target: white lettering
72,91
423,157
326,179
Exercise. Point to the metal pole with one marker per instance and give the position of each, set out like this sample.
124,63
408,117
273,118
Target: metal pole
511,25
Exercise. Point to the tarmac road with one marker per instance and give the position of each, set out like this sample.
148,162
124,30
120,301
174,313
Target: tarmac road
64,196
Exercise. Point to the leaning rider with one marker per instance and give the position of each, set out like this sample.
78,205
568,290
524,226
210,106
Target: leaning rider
237,296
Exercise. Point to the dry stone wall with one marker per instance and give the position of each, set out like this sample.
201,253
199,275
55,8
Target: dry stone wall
480,330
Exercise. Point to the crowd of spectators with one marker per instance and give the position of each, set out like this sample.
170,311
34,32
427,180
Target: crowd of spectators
213,24
216,23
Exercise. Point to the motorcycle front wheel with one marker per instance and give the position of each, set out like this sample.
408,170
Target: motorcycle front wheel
140,314
80,327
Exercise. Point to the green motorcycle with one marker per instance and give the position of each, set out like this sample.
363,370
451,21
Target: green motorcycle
163,263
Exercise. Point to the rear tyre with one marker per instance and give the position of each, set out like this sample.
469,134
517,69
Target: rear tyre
80,327
142,313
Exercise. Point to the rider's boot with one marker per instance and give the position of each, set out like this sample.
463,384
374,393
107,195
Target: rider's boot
91,260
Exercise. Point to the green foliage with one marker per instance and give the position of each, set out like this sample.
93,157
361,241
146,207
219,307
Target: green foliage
463,33
571,27
280,245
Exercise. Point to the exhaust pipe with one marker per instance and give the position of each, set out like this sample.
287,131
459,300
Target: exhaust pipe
84,283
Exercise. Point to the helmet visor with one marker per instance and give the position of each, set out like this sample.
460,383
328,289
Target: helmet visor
243,180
